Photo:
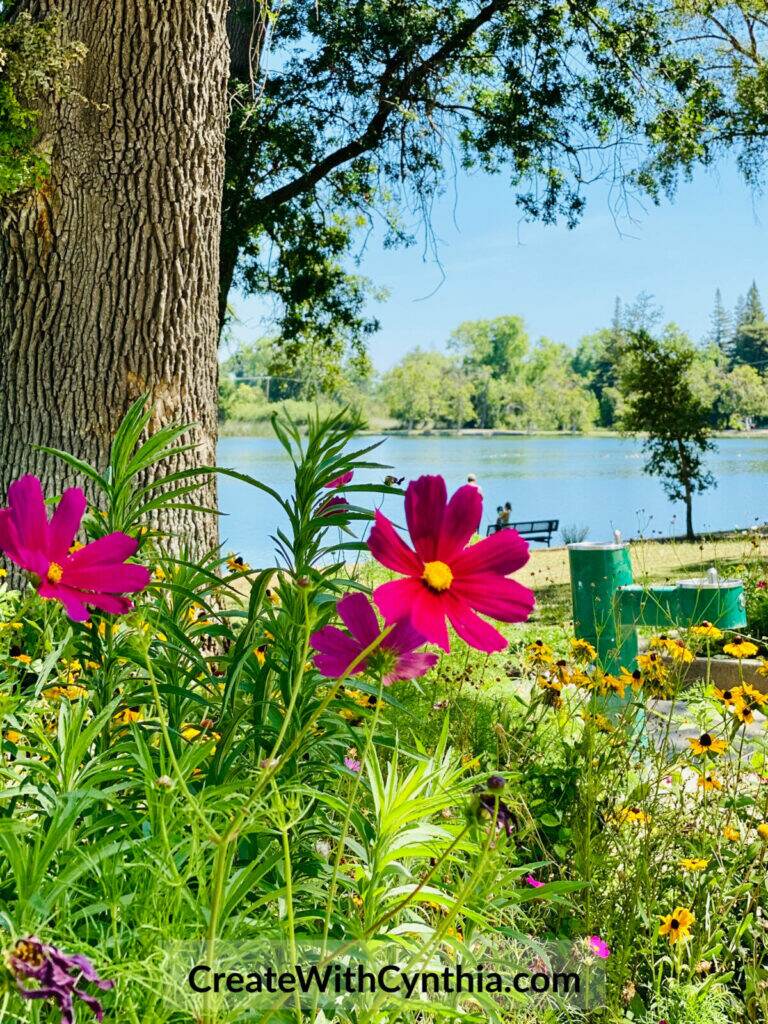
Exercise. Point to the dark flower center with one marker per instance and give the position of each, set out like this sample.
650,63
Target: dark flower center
674,923
705,740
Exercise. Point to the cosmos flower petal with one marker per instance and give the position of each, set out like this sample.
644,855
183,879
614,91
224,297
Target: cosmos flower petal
497,596
27,506
115,547
404,638
359,617
9,541
411,666
474,630
71,599
109,578
425,501
65,523
461,520
339,481
503,552
389,548
114,604
336,652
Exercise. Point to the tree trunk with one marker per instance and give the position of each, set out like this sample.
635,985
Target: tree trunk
690,535
110,273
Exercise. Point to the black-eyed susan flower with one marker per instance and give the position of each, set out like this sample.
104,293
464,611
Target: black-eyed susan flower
16,654
652,667
583,651
633,679
748,701
707,744
631,816
706,631
678,652
562,672
731,834
582,679
741,648
709,781
609,685
539,653
677,925
127,715
727,696
694,864
236,563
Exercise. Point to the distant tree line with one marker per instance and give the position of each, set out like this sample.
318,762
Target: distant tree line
493,377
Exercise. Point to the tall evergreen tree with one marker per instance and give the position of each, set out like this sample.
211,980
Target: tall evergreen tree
750,340
721,329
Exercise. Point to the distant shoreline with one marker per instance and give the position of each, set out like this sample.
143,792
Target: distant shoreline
241,428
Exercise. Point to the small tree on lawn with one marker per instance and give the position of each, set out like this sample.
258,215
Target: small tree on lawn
661,403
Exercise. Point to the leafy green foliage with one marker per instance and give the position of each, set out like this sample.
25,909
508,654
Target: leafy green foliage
663,406
35,63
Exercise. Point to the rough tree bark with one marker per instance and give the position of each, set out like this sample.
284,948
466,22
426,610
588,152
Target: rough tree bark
109,274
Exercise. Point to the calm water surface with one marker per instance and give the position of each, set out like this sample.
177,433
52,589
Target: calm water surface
593,482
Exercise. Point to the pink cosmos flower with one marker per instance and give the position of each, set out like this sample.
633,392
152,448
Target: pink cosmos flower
395,658
334,506
444,577
533,882
339,481
598,947
96,574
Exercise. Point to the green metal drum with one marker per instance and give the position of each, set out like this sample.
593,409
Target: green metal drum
597,571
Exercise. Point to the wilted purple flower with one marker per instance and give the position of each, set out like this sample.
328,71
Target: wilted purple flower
57,974
505,819
395,658
496,782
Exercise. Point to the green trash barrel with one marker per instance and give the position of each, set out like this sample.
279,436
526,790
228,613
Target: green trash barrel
597,570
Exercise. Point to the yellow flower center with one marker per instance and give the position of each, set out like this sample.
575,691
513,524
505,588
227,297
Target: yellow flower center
55,572
437,576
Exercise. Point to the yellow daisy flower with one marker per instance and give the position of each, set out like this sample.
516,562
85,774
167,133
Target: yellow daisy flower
633,679
539,653
708,744
631,816
707,631
741,648
731,834
612,685
762,830
235,563
694,864
583,651
126,716
709,781
727,696
677,925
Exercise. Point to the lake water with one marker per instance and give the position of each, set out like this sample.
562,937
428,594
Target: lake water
593,482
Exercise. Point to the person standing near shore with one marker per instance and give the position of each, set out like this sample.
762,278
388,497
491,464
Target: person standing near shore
472,481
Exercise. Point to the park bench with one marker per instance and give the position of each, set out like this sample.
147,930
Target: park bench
534,529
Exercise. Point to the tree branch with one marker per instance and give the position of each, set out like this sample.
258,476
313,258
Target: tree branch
387,103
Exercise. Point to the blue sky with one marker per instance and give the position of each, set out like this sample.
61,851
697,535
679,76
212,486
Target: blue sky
563,282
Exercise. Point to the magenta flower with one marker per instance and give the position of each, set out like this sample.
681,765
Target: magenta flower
352,763
444,577
96,574
533,882
334,506
395,658
339,481
598,947
57,975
